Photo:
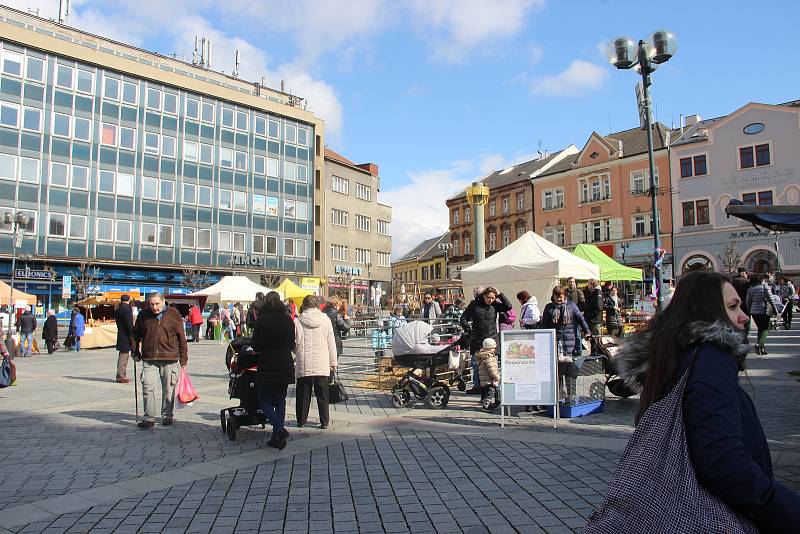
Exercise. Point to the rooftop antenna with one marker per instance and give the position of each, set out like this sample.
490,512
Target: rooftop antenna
236,66
540,149
208,56
63,11
263,81
194,54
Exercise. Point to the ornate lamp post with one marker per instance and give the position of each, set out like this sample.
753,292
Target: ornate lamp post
645,57
477,197
18,222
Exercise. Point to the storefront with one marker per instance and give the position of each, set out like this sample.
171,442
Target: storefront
726,250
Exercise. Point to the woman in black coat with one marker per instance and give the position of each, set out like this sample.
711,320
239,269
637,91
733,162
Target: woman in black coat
565,317
480,320
702,330
50,332
273,339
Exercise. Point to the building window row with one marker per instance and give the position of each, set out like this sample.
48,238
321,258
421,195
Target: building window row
363,223
363,256
338,252
363,192
595,189
340,185
339,217
384,259
384,227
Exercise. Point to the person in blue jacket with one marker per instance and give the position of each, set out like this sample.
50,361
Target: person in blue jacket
77,327
727,445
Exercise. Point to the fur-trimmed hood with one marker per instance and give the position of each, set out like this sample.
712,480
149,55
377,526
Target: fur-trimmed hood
631,360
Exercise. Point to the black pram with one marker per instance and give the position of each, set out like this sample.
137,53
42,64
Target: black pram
242,363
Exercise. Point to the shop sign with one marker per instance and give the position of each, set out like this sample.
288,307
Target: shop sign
34,274
312,284
697,262
66,286
743,235
345,269
250,261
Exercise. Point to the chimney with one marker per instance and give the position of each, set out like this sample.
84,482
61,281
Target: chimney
369,167
691,120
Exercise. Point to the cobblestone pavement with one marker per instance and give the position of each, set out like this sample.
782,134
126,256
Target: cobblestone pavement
81,465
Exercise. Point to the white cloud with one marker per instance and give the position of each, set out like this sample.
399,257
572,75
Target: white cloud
579,77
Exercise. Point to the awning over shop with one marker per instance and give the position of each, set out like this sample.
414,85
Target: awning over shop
775,218
610,269
6,295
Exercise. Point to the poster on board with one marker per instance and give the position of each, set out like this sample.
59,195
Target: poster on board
528,368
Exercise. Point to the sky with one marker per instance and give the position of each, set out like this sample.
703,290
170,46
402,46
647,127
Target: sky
439,93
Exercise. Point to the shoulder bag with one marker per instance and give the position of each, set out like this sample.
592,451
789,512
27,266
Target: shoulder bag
655,487
336,391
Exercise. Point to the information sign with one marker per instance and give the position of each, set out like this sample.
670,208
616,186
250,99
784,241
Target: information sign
528,369
66,287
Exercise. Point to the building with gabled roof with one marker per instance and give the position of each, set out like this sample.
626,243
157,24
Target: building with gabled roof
424,268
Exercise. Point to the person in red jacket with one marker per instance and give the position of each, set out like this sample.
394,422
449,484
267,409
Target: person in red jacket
195,318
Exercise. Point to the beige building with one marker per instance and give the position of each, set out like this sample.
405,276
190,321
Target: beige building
356,243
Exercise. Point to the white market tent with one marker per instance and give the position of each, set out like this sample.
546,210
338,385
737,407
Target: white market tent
232,289
530,263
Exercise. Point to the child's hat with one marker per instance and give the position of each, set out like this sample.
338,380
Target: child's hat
489,343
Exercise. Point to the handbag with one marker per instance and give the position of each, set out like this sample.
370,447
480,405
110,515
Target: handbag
8,372
69,342
655,487
769,306
184,390
336,391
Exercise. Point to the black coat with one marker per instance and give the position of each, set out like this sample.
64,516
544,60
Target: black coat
340,326
565,318
50,328
594,306
273,339
123,316
480,319
26,322
742,285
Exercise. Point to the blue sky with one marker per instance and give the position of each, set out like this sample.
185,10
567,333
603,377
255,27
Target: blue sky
441,92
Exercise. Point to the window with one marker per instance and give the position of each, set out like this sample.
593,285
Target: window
149,188
171,103
272,167
467,214
456,247
125,184
455,215
290,134
520,202
85,83
747,159
289,209
553,199
274,129
104,229
467,245
607,187
240,201
111,88
762,198
127,138
288,247
64,75
123,231
693,166
57,225
204,195
225,199
12,63
384,259
61,124
340,185
241,120
59,174
339,217
258,244
302,173
168,144
555,234
362,256
226,157
272,245
151,142
301,211
189,195
686,168
259,165
639,225
206,154
208,112
167,190
595,189
227,117
362,223
82,129
29,170
77,227
188,237
700,165
108,134
338,252
35,69
204,239
261,126
506,204
149,236
224,241
506,237
106,182
492,240
31,119
762,155
695,212
129,93
637,182
192,110
302,136
153,99
259,204
165,235
241,161
594,231
80,177
384,227
238,242
363,192
300,248
290,171
492,208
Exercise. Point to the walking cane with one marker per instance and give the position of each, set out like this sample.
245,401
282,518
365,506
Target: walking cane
136,389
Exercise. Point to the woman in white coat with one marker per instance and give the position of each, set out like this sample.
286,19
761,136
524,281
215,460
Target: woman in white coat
315,349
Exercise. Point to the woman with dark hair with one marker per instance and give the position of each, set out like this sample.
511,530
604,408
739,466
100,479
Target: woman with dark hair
563,315
315,348
211,323
480,320
273,339
701,335
759,302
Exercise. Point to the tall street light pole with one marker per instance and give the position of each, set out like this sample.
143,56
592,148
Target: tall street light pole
16,220
645,57
477,197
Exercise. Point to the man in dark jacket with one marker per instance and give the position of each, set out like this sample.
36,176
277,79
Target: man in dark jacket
575,295
160,342
123,316
480,320
252,311
742,283
50,331
340,323
26,324
594,307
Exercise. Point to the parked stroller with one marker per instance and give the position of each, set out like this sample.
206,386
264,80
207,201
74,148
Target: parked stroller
412,348
242,363
608,346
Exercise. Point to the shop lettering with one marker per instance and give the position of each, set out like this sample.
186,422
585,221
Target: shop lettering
344,269
742,235
251,261
753,178
34,274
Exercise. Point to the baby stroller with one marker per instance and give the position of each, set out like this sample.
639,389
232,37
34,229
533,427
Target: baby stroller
242,364
608,346
412,349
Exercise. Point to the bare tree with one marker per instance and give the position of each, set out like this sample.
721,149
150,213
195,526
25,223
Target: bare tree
195,279
86,278
730,259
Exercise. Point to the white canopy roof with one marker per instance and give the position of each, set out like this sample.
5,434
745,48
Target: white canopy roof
233,289
530,263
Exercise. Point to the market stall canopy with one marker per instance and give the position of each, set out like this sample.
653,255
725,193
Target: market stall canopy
610,269
292,291
530,263
5,293
232,289
775,218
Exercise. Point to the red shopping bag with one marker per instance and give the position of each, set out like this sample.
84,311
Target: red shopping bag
184,390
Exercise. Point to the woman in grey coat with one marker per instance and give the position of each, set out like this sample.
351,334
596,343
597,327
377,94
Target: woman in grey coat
759,302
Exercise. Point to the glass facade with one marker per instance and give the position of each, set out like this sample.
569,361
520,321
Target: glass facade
115,168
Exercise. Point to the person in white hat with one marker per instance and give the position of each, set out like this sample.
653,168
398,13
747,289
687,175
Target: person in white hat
489,374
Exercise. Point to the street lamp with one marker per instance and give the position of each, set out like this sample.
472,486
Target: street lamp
446,247
623,247
18,222
477,197
645,57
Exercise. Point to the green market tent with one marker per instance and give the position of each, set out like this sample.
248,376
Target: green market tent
609,268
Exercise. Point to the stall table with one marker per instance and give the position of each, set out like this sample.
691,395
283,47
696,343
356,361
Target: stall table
99,336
